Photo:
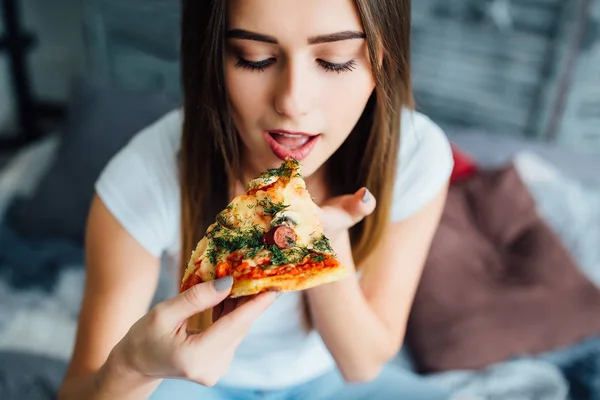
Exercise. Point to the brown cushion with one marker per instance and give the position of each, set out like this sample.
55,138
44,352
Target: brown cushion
498,281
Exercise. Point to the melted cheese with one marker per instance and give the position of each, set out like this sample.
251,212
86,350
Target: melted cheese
261,182
308,226
246,212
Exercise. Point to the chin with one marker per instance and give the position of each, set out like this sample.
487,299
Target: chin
311,165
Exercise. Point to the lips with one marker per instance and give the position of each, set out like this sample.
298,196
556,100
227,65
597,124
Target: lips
291,144
290,140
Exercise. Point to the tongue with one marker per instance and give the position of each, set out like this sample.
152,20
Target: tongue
289,142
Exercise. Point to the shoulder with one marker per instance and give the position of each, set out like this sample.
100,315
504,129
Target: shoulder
424,166
140,186
161,137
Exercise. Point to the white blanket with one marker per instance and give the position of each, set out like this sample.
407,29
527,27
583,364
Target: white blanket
570,208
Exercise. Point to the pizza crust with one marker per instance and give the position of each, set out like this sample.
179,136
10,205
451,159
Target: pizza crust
288,283
278,283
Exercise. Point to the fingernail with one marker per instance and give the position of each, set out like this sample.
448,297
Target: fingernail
366,196
223,283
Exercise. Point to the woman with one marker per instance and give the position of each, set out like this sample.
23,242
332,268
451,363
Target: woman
327,82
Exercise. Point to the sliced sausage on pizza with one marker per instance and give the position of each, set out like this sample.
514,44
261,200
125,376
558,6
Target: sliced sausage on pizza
268,239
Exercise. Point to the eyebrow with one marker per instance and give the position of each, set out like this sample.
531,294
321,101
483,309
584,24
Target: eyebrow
328,38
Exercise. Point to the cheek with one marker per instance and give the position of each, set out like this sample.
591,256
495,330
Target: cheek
346,101
247,95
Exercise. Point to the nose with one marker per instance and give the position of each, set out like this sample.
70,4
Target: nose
292,97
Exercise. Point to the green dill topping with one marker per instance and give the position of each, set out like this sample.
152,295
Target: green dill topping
225,238
283,219
297,254
317,257
270,207
214,230
230,241
212,254
262,180
253,252
288,169
278,256
238,239
280,220
322,244
226,219
293,255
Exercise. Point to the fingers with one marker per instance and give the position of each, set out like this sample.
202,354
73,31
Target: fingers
343,212
194,300
362,205
231,328
217,311
228,305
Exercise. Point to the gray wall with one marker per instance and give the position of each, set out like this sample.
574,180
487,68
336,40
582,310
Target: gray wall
468,72
58,56
5,101
580,123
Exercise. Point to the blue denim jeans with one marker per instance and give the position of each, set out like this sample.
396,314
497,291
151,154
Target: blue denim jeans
392,383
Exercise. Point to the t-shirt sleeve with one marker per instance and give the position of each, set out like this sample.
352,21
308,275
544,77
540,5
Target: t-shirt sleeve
139,186
425,165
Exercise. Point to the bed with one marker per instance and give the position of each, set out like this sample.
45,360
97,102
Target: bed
130,82
38,317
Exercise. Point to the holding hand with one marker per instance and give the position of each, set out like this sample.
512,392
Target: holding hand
158,346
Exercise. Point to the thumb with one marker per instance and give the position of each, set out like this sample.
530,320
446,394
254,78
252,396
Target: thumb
196,299
360,204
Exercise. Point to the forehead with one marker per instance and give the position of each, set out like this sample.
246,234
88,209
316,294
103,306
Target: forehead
293,19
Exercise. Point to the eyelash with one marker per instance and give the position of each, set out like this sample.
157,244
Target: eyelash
261,66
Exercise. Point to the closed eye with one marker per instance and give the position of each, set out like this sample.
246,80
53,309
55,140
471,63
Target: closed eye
258,66
332,67
262,65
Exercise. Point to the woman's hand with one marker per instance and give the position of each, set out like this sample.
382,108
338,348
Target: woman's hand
158,346
228,305
343,212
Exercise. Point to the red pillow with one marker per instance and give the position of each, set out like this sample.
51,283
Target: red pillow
464,165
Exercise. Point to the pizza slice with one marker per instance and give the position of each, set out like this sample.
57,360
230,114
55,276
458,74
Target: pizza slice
269,238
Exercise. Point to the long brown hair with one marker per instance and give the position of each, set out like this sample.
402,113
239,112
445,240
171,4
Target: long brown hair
209,158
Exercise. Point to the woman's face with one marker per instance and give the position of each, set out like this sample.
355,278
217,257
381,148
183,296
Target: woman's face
298,76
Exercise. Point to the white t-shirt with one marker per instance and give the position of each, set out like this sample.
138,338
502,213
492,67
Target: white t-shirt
140,187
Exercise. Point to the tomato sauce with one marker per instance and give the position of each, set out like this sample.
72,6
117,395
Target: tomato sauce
235,266
190,281
288,269
252,192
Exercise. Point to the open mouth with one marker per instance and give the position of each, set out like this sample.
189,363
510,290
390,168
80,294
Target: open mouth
288,144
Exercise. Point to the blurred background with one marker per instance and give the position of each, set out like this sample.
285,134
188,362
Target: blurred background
514,83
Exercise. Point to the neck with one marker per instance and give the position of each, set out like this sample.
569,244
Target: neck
317,186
